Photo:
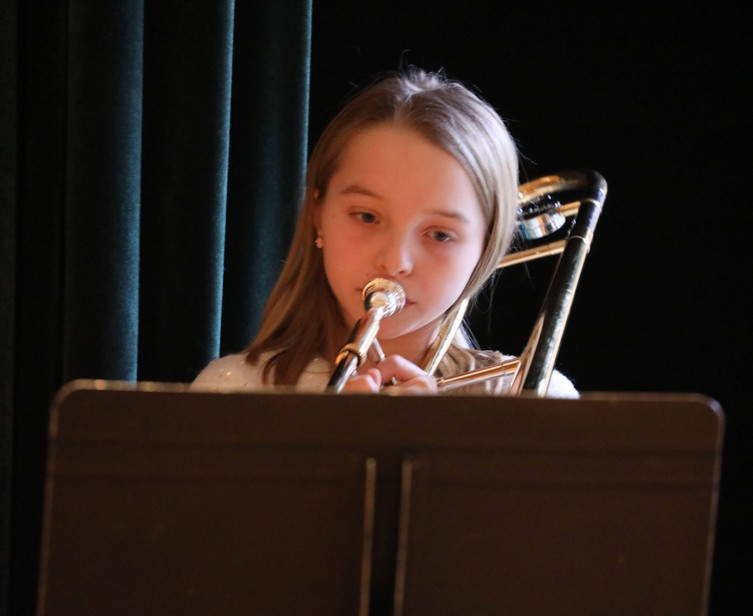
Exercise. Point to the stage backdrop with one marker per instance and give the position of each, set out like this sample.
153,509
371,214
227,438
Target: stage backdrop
152,164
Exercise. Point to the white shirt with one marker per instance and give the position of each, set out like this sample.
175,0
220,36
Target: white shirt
233,372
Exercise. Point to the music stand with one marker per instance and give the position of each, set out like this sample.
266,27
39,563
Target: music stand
164,501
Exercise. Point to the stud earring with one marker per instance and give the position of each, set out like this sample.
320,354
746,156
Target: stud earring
318,242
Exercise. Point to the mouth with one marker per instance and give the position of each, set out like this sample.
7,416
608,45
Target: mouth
408,301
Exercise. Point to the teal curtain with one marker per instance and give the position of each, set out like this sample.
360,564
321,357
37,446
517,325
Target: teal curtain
152,164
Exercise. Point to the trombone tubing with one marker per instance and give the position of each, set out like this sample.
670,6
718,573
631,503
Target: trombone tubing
353,353
556,306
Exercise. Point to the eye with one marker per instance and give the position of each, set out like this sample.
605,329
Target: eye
365,217
441,236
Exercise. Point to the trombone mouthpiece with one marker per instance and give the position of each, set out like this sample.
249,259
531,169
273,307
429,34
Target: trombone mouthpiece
384,293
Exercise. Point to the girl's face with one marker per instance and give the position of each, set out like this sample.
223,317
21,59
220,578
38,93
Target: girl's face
400,207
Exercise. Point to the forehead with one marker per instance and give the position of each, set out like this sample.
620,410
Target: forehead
387,137
396,157
403,175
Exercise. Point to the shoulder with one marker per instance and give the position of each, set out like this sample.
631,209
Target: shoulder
235,372
228,372
559,385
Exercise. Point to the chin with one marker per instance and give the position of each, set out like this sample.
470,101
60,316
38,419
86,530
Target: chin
391,330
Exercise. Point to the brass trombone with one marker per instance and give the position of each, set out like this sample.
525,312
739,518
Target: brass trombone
540,214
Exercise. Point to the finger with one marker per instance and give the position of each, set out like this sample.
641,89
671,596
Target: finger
369,382
409,378
399,368
417,385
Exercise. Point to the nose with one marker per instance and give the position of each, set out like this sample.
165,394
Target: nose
395,256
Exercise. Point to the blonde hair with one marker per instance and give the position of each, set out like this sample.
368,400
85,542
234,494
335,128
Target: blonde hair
301,319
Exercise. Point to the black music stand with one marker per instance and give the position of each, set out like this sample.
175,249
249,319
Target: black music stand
161,501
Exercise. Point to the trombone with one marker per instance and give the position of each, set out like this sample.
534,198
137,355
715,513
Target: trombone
540,214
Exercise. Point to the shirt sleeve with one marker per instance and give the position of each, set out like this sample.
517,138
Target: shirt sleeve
561,387
226,373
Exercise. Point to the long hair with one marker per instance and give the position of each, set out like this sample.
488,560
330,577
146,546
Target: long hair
301,319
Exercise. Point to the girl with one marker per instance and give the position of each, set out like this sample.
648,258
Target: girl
416,181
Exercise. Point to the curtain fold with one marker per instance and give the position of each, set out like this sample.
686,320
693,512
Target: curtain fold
277,88
150,180
187,102
103,165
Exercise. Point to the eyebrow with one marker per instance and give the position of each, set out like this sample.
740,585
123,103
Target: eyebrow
357,189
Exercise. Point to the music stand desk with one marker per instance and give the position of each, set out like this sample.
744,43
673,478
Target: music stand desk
161,500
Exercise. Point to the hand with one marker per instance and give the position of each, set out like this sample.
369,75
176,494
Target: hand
409,378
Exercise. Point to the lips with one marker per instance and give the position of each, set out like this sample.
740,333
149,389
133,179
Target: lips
408,300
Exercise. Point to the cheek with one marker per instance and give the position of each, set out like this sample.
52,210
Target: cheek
342,256
464,270
343,275
450,281
463,266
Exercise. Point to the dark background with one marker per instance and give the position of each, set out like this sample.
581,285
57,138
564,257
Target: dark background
655,100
